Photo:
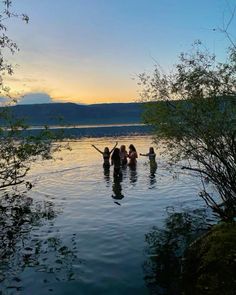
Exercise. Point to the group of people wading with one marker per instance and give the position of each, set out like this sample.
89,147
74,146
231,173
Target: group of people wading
121,158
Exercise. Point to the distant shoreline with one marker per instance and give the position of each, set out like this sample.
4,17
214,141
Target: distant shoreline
81,126
69,114
80,131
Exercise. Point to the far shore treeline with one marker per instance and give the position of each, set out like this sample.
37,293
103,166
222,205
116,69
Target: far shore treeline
61,114
76,114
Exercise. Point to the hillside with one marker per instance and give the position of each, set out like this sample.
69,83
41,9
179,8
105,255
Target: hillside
73,114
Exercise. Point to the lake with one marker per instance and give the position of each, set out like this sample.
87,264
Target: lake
87,232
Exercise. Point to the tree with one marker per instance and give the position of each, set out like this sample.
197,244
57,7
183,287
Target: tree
6,44
16,152
193,113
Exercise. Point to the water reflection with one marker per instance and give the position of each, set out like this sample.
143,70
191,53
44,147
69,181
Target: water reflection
165,250
106,171
24,247
133,174
117,189
124,171
152,175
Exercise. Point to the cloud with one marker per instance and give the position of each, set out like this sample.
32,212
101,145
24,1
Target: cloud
35,98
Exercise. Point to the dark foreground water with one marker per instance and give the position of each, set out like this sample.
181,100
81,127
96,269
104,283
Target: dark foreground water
77,231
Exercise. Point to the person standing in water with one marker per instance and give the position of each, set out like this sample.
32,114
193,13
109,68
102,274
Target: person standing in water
132,156
106,155
116,161
152,160
123,156
151,155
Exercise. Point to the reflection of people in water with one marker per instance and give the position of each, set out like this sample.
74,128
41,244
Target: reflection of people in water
106,155
152,175
153,167
123,156
107,175
115,160
132,156
133,174
117,189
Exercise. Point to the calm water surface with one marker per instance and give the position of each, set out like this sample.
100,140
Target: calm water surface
95,239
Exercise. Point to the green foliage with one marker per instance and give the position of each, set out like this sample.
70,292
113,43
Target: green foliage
211,262
6,44
190,256
17,152
193,114
166,248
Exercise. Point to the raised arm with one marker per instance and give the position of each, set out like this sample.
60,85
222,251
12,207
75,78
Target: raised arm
97,149
114,147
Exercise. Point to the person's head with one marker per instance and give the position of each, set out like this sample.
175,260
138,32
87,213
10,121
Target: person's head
122,148
151,150
116,154
132,148
106,150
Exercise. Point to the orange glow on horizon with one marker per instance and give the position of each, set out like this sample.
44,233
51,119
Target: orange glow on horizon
86,94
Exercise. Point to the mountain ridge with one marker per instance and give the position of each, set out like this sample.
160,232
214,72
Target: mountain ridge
77,114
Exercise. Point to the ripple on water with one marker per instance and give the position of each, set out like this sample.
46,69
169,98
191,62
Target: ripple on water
105,231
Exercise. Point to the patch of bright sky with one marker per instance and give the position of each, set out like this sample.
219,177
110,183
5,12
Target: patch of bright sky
87,51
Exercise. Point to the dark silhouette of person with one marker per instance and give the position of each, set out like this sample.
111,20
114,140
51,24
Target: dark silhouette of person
123,156
115,161
106,155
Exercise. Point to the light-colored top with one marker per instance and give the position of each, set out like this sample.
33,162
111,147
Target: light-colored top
123,157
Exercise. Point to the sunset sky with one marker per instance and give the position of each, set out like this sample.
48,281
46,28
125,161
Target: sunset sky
89,51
